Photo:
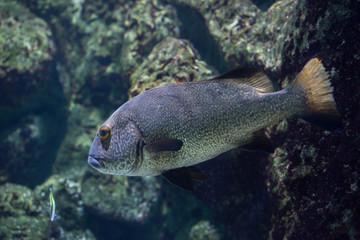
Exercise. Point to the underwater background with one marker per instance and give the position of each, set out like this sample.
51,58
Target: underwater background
66,65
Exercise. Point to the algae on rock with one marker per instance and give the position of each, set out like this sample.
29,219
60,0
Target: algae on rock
203,230
121,198
21,215
27,51
103,47
25,40
244,33
146,24
171,61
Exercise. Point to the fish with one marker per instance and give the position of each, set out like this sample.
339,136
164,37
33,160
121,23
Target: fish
52,206
169,129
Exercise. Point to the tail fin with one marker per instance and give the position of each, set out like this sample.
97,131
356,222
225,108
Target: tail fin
315,82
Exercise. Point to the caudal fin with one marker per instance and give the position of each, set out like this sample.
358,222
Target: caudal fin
315,82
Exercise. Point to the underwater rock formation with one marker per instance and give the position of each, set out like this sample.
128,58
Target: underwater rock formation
171,61
27,153
314,175
244,34
109,50
82,127
203,230
21,215
28,96
146,24
303,167
69,204
119,197
24,214
27,51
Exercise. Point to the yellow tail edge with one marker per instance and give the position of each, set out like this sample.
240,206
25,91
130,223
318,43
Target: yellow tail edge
315,82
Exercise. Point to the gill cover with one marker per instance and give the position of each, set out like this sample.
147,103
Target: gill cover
119,152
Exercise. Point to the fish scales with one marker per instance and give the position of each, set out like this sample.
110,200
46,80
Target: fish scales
206,124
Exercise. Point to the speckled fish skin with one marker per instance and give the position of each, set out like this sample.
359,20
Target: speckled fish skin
209,117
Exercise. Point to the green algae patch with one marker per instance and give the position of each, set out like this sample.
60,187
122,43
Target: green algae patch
204,230
122,198
171,61
21,214
25,40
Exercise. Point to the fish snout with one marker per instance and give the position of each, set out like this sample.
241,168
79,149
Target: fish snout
94,163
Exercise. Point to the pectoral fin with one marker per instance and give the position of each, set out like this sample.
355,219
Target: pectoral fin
260,143
184,177
164,145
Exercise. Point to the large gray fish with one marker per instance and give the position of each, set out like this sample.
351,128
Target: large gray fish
167,129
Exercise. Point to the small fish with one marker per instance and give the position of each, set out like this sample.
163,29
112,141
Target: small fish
52,206
168,129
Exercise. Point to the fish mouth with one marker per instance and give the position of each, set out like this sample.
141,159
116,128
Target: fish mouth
95,162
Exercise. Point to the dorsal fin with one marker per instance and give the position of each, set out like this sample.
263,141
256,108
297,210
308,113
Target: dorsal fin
251,76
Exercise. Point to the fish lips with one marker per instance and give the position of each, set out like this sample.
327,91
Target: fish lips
95,163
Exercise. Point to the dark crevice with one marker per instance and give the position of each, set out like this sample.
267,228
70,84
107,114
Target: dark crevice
193,28
106,228
33,165
263,5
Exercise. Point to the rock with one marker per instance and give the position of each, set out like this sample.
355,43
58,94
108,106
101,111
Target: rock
171,61
28,152
69,204
27,51
103,42
203,230
126,199
146,24
24,214
30,97
71,159
21,214
26,41
244,34
314,174
309,188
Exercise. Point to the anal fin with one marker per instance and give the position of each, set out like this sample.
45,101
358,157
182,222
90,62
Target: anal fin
184,177
260,143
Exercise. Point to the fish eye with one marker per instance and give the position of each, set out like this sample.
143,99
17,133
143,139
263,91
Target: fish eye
104,132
